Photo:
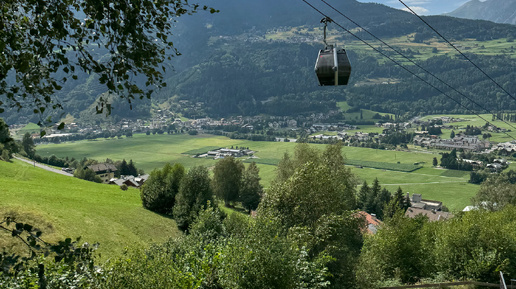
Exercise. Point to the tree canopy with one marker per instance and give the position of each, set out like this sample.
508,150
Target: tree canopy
46,43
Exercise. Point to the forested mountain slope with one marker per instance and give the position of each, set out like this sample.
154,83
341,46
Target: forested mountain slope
254,66
258,56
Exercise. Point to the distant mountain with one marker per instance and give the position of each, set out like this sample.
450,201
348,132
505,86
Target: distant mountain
434,7
499,11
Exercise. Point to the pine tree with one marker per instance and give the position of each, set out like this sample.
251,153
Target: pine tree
382,199
371,205
363,193
124,168
131,169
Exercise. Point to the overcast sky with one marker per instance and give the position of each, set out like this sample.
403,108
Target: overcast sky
423,7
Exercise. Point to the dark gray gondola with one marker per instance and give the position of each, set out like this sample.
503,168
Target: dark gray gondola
332,66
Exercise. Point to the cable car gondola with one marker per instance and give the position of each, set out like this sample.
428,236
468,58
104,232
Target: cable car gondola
332,66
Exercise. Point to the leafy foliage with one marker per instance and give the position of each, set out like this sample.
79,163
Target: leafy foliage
251,191
195,194
37,61
159,192
7,143
237,252
72,265
496,192
28,145
227,178
311,199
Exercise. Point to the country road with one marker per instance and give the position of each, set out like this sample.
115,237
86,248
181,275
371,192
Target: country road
50,169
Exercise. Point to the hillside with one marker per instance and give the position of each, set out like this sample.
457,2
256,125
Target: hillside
258,56
499,11
255,66
64,207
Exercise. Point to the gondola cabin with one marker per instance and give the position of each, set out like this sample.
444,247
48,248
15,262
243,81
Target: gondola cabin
332,66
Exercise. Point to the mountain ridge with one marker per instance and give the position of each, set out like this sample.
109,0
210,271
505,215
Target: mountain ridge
498,11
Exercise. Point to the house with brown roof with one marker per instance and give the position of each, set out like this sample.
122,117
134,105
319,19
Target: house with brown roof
105,171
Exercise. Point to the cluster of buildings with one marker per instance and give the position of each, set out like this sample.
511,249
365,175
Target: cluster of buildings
225,152
460,141
106,172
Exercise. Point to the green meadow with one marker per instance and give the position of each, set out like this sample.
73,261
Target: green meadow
64,207
479,121
392,168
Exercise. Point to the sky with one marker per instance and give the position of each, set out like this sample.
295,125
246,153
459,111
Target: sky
423,7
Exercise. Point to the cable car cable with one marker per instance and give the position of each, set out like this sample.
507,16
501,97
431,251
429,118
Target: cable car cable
416,64
454,47
406,69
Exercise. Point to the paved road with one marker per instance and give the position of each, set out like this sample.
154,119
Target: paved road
50,169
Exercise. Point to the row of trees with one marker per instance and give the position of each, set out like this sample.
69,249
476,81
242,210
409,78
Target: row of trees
174,191
450,161
379,201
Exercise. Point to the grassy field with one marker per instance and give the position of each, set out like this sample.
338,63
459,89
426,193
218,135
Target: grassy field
153,151
367,115
63,207
475,120
29,128
424,50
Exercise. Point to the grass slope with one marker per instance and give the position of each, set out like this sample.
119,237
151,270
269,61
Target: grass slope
63,207
154,151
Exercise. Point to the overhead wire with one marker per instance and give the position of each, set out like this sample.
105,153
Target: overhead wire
402,66
416,64
460,52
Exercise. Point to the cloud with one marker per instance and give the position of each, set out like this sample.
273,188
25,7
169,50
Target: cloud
418,10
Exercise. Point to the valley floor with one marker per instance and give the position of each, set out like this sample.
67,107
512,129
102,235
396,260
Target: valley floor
154,151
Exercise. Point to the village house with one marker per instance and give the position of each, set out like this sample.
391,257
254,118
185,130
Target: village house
372,223
417,201
105,171
429,208
130,181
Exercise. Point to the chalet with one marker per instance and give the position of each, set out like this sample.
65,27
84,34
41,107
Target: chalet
105,171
